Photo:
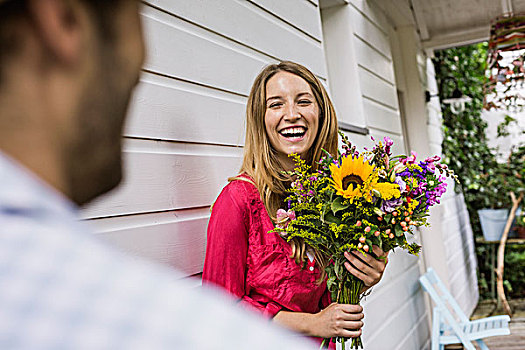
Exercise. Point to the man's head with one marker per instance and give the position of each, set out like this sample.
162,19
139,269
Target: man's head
67,69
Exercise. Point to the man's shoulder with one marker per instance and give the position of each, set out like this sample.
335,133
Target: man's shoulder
65,289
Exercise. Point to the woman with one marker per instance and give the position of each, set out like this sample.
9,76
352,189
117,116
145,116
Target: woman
288,111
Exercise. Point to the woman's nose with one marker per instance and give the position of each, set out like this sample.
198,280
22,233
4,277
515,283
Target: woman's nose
291,113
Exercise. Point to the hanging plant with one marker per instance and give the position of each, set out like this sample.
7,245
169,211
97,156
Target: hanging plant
505,63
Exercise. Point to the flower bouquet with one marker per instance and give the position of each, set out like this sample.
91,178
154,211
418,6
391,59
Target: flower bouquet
355,201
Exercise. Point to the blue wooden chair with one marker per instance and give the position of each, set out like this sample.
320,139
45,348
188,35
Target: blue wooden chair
450,329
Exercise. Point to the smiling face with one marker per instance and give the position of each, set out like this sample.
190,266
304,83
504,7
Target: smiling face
292,116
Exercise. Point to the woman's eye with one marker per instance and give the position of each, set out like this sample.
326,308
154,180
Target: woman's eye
275,104
305,102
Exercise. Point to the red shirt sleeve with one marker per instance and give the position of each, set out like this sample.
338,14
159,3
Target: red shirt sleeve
227,245
227,248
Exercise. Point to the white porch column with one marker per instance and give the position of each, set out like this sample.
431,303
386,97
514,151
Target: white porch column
409,64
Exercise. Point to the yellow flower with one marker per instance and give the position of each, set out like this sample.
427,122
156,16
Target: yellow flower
387,190
357,178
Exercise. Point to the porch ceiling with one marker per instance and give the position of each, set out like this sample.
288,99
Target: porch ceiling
447,23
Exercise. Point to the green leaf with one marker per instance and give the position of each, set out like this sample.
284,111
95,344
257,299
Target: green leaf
337,270
399,231
331,218
324,211
337,205
331,283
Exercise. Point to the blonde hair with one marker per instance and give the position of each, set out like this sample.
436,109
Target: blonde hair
260,158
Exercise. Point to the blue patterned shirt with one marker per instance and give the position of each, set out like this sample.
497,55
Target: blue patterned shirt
60,288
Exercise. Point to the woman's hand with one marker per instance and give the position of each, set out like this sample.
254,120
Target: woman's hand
367,268
339,320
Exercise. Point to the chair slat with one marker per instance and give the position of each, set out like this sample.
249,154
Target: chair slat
446,329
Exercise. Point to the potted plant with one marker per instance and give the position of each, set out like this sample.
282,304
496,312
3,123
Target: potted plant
495,187
494,214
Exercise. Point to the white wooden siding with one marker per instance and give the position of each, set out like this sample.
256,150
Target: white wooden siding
167,176
255,27
185,129
303,15
376,71
157,112
155,236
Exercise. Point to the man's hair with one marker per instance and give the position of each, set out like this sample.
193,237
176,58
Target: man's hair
14,11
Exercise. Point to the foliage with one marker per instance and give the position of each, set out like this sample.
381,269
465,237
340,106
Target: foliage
485,183
514,274
465,147
503,127
520,220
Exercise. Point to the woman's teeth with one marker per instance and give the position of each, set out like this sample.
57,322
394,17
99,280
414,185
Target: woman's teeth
293,132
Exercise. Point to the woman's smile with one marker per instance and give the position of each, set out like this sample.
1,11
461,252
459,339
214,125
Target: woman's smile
293,133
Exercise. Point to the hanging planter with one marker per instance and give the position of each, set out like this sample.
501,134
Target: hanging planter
506,58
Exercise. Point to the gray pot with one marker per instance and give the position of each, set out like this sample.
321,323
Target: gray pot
493,223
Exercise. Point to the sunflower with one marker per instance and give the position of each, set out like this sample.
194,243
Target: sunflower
357,178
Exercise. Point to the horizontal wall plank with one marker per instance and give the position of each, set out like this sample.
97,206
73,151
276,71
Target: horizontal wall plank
178,49
162,176
378,89
417,337
244,22
373,60
399,143
399,263
400,298
367,31
168,109
365,141
179,243
299,13
382,118
372,13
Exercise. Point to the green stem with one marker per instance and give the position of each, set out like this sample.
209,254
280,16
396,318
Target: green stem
348,293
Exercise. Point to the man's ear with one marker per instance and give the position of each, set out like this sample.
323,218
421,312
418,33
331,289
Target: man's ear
58,23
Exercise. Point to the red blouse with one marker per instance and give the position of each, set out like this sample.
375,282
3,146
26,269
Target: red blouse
252,264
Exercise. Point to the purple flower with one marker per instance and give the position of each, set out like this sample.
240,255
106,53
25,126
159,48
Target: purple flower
389,206
411,159
388,145
433,159
402,184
